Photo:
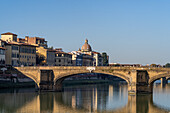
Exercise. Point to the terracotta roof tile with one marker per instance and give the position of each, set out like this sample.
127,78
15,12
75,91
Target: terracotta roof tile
8,33
2,48
17,43
96,52
61,52
51,50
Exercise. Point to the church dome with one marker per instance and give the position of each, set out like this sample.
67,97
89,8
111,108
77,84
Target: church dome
86,47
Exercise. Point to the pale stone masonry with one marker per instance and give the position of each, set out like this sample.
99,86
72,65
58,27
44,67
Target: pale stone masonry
139,79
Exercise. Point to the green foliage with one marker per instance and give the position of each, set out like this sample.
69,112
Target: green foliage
51,48
167,65
39,59
105,59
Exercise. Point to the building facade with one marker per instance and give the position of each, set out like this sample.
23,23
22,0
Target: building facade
63,59
9,37
77,58
17,52
97,59
34,41
12,53
86,57
26,52
51,57
27,55
2,55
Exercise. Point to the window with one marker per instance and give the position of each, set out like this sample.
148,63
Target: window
14,47
33,51
15,55
59,55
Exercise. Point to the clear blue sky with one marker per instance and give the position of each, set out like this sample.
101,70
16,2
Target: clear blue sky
130,31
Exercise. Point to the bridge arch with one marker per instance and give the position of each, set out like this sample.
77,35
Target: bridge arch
157,77
32,78
59,79
168,78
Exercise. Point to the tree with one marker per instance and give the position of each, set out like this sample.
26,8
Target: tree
105,59
51,48
39,59
167,65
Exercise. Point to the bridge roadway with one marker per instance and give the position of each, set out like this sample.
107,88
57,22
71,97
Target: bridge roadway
140,80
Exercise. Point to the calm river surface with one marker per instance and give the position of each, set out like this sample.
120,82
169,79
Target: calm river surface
108,98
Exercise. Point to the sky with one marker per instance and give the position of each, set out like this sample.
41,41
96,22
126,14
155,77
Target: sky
129,31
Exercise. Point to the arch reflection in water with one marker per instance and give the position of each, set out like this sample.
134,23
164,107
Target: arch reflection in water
12,101
76,99
96,97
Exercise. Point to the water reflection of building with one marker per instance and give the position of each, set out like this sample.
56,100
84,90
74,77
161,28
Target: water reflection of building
110,92
73,103
95,98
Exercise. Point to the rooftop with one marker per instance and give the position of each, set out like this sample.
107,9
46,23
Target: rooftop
96,52
17,43
8,33
61,52
2,48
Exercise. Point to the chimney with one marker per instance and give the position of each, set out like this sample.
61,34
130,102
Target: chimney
18,40
26,38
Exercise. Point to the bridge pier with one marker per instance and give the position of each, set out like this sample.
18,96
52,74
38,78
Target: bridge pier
164,81
58,87
140,88
140,83
168,78
46,80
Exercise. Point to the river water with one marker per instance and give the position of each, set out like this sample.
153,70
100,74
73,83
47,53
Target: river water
105,98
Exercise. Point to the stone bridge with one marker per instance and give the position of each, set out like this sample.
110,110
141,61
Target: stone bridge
140,80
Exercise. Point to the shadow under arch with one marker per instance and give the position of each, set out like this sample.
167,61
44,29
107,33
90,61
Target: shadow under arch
32,77
168,78
58,80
